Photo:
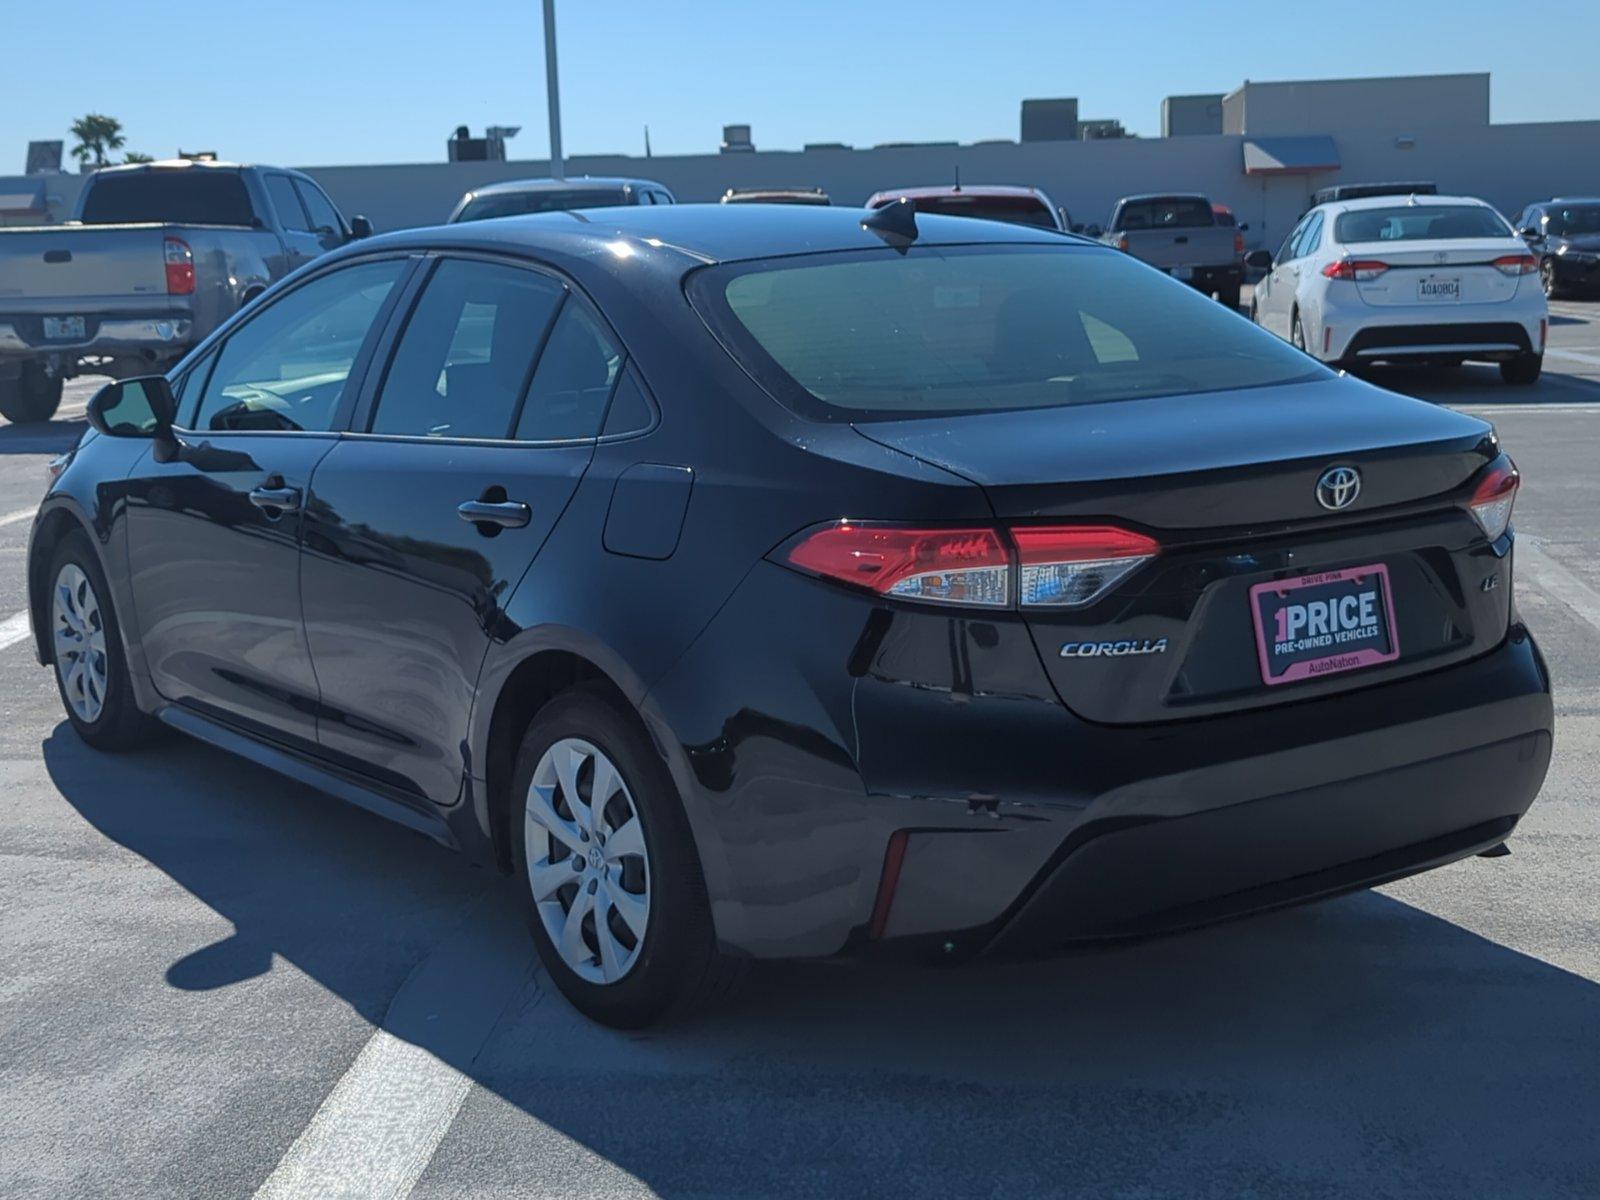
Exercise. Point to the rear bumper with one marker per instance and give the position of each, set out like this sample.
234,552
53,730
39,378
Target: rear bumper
1346,329
154,339
1201,820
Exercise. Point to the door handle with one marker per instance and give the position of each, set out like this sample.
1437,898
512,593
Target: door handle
280,499
507,514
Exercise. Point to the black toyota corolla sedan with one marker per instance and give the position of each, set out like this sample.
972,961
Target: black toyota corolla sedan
771,581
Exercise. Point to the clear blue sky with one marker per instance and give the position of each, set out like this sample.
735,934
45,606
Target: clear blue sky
312,82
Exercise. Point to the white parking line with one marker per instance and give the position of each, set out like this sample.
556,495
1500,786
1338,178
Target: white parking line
378,1128
1550,577
22,514
15,628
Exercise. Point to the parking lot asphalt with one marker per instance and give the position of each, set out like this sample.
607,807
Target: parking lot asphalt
216,983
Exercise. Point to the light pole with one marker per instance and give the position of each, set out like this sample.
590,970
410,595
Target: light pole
553,88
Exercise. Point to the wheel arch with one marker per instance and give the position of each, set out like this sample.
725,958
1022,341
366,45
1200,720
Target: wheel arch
52,527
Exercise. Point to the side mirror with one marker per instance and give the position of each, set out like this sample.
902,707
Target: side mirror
1093,231
134,408
1260,260
360,227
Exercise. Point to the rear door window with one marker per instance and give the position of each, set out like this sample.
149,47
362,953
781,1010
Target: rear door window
573,382
174,195
1419,223
324,217
1177,212
286,203
463,362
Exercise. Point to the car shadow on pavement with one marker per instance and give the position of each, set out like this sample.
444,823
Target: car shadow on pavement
41,437
1361,1047
1480,383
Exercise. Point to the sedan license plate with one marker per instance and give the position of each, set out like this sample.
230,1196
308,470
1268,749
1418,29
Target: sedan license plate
1324,624
1433,289
64,328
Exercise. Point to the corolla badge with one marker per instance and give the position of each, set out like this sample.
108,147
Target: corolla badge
1338,488
1113,649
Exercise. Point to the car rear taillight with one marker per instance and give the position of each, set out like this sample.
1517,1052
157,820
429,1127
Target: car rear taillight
180,267
948,566
1516,264
1238,243
1067,565
1358,269
1495,494
1056,566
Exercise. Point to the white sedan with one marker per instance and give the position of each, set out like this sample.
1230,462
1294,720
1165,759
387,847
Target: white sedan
1431,279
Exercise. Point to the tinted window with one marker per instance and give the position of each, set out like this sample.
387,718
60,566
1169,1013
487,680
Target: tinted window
1175,212
1311,238
1017,210
463,361
286,202
286,367
630,412
1286,251
1419,222
970,329
323,215
1570,219
514,204
188,386
180,195
573,380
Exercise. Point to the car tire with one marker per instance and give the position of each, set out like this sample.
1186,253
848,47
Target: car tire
1229,297
33,397
1548,281
90,667
1522,370
1297,334
643,949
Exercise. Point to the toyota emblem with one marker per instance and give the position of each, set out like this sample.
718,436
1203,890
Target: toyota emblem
1338,488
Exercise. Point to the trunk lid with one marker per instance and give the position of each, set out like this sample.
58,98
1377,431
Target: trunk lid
82,262
1227,482
1447,273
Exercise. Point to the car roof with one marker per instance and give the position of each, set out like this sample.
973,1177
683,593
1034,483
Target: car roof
574,184
953,189
1147,196
682,236
1570,200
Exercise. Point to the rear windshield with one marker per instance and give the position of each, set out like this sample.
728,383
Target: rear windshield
1017,210
1419,223
941,330
188,196
1175,212
516,204
1572,219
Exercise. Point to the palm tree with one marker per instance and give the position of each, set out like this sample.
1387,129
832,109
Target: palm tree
133,156
96,135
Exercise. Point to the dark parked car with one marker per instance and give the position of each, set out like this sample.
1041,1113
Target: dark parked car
1364,191
990,201
1565,234
520,197
758,581
779,195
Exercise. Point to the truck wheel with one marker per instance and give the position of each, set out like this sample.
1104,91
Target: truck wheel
33,397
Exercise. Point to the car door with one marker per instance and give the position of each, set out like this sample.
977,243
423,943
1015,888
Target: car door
466,450
301,242
1275,292
213,537
1298,270
326,223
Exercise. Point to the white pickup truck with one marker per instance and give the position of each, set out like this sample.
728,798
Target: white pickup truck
155,258
1180,234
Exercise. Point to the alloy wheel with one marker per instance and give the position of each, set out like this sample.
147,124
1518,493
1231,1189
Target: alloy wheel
79,634
1547,279
588,866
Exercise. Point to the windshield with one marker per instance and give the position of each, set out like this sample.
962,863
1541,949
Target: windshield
1175,212
185,196
1572,219
1017,210
1419,223
516,204
938,330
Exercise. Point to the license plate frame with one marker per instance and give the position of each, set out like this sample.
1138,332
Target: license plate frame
1446,289
65,329
1293,659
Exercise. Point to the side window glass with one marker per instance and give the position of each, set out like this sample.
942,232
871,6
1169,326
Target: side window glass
323,215
572,382
187,388
463,361
1312,239
1286,251
630,412
286,367
286,202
